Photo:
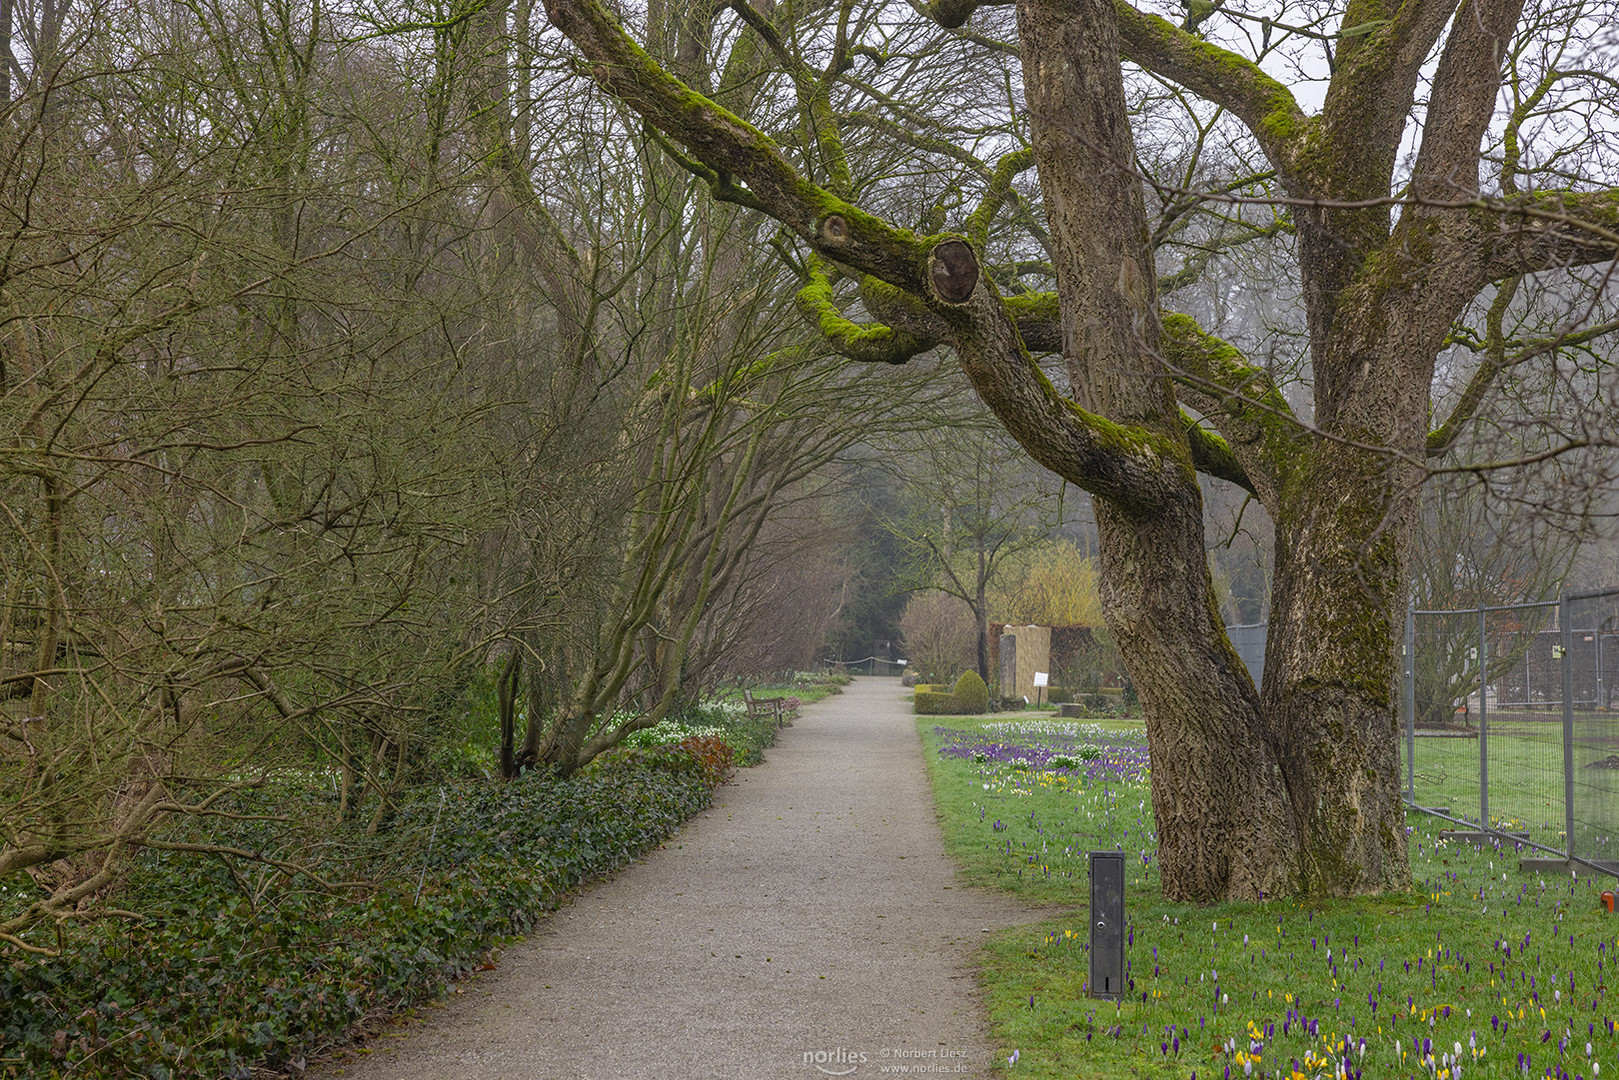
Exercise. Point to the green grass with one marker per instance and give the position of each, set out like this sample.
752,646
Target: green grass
808,687
1478,955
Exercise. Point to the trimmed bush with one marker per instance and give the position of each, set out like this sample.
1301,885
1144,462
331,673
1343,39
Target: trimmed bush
934,703
1058,695
972,696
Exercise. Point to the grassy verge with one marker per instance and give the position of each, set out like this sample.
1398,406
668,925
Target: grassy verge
1480,971
1526,763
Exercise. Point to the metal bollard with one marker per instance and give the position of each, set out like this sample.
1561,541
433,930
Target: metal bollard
1107,924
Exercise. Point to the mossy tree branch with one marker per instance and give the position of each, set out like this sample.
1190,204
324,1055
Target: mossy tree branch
1000,187
953,14
730,146
1213,456
1262,435
814,98
1132,467
1500,356
1547,230
865,342
721,186
1445,435
1224,78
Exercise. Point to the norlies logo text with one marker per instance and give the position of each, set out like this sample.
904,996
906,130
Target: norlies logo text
838,1062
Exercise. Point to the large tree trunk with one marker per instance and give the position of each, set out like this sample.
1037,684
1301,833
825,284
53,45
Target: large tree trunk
1331,684
1222,813
1218,800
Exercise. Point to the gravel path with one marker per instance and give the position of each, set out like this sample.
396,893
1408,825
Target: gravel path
808,924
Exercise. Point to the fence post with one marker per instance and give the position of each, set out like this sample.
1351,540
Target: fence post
1411,701
1566,636
1483,722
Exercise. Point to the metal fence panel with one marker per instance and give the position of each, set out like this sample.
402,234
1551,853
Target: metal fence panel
1593,664
1521,704
1486,718
1249,641
1445,760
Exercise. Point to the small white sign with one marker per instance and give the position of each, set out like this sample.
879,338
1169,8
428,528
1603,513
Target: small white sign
1042,678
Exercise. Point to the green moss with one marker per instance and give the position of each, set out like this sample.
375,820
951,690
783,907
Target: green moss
729,145
880,296
874,343
1000,183
1252,396
1284,127
1267,105
1033,305
1131,439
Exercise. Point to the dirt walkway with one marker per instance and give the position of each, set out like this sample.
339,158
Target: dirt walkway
809,924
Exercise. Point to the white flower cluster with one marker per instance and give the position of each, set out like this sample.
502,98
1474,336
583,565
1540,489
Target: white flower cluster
1047,727
669,732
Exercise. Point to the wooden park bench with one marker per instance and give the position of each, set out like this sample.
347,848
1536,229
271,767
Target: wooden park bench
758,707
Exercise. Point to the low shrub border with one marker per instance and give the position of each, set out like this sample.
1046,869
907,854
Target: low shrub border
216,981
934,703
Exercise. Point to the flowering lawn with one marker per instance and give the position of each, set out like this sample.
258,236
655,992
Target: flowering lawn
1480,971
